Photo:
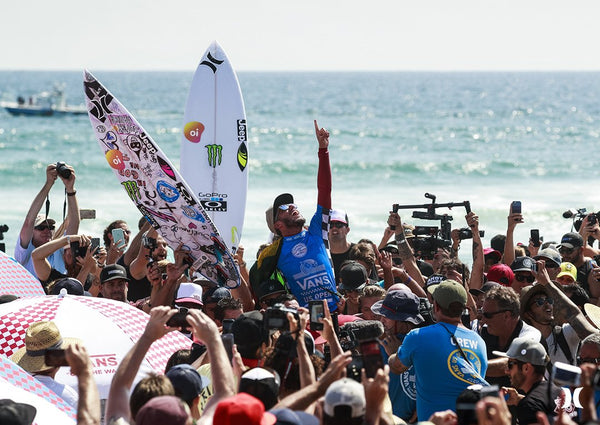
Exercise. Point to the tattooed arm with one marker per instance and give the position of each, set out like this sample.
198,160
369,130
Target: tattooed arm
478,259
564,309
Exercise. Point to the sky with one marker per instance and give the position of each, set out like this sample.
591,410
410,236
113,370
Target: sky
323,35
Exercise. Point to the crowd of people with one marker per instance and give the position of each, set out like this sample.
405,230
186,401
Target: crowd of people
323,330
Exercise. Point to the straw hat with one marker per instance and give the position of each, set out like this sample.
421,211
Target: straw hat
40,336
593,313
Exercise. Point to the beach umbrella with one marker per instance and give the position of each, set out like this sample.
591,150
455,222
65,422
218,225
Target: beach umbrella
107,328
16,279
21,387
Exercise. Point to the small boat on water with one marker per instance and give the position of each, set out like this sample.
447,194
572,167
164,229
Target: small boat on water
47,103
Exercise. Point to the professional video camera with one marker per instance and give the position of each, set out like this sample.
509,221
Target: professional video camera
579,214
429,238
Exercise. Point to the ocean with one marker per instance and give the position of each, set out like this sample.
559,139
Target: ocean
487,137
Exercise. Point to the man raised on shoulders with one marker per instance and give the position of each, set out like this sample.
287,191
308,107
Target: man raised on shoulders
303,258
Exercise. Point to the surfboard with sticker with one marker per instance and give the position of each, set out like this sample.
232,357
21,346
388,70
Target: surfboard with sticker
155,186
214,146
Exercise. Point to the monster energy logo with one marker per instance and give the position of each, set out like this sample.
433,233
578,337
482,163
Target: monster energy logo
215,154
132,190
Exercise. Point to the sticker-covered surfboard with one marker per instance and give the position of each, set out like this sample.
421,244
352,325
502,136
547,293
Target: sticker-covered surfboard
214,147
155,186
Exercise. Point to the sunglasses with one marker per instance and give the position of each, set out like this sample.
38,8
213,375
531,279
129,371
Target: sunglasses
43,227
541,301
581,360
511,363
523,278
490,314
286,207
337,224
564,250
551,265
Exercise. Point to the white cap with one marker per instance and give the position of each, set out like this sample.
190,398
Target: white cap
189,292
345,392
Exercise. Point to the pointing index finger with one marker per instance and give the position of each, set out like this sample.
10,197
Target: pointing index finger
316,126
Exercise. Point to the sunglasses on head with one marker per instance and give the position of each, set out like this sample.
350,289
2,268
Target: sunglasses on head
523,278
541,301
285,207
337,224
43,227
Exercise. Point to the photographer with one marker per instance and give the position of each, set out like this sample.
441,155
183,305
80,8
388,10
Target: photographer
39,229
85,269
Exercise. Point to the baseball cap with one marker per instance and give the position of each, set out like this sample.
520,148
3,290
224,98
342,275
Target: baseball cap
347,394
287,416
113,271
338,215
214,294
484,288
523,264
549,254
13,413
248,329
6,298
402,306
269,287
41,219
283,199
261,384
164,409
353,277
242,408
73,286
567,269
571,240
492,252
434,279
186,380
189,292
448,292
526,350
500,273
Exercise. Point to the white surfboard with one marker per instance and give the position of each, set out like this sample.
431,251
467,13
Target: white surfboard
214,149
155,187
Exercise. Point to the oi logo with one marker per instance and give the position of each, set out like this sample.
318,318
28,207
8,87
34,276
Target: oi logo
115,159
193,131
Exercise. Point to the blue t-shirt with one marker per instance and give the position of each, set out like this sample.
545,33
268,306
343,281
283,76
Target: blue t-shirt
306,266
402,390
441,370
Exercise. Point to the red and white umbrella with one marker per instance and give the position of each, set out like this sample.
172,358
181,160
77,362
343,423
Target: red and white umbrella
21,387
107,328
16,279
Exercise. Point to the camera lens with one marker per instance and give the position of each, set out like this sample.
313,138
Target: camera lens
62,170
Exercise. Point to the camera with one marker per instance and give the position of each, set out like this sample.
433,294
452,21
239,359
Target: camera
426,247
178,319
149,243
62,170
466,233
276,317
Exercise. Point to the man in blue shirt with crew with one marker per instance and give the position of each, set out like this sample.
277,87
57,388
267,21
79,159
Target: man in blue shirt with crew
447,357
